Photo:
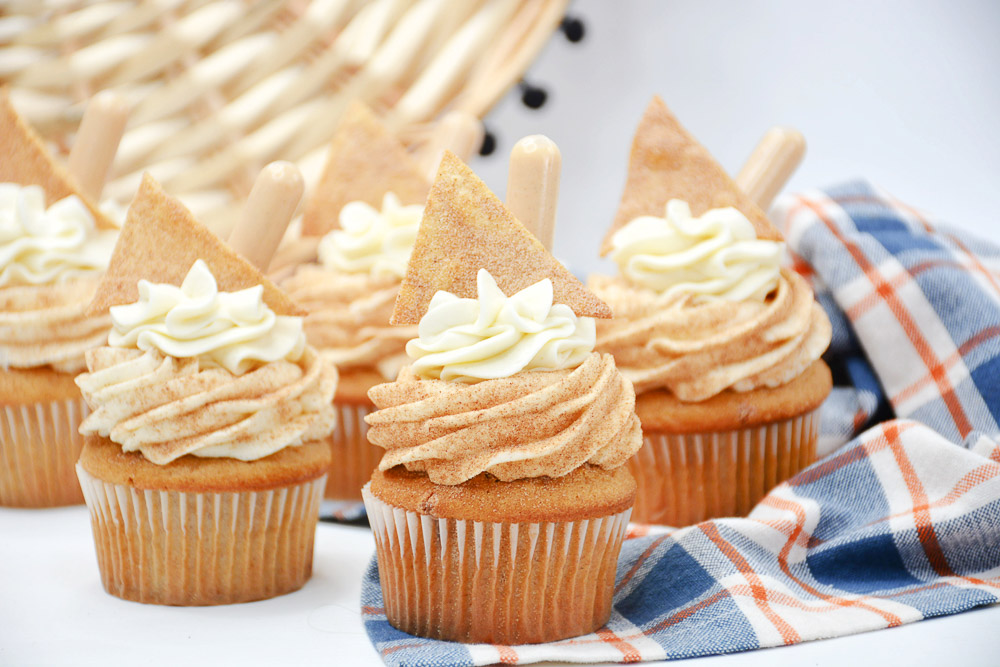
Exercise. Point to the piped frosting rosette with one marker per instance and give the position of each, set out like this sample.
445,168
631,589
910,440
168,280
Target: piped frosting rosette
467,406
702,306
51,259
192,370
350,293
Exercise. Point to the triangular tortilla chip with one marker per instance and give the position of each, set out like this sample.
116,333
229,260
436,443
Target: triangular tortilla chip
466,228
24,160
365,162
160,241
668,163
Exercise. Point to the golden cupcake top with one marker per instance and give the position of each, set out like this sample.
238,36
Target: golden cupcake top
702,302
503,378
209,360
54,240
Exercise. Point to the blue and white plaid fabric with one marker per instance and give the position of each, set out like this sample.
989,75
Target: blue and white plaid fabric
901,524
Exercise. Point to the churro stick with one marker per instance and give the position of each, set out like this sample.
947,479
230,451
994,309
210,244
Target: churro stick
771,164
457,131
533,185
269,209
97,141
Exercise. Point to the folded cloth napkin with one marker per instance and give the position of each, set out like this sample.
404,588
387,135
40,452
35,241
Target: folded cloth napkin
901,524
921,300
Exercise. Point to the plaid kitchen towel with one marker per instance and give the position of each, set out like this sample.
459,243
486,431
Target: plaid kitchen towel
921,300
901,524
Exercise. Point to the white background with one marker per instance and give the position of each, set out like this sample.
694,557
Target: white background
905,93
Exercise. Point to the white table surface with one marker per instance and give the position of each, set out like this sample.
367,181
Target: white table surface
53,611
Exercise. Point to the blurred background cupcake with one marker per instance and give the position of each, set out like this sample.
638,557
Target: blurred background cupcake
360,225
55,244
204,462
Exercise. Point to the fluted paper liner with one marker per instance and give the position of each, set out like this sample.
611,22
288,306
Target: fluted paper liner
354,458
39,446
179,548
501,583
686,478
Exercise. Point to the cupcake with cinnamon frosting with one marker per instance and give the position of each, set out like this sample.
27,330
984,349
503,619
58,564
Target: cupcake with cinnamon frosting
54,246
722,343
501,502
204,461
363,216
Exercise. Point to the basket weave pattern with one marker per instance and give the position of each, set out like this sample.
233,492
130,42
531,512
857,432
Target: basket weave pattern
219,88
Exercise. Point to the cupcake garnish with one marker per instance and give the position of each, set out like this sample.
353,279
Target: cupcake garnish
683,225
667,163
365,162
51,231
26,161
466,228
161,241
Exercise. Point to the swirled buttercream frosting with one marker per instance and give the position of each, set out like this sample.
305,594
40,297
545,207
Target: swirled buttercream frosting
349,317
234,330
697,349
714,256
46,325
42,245
370,241
534,424
166,407
495,336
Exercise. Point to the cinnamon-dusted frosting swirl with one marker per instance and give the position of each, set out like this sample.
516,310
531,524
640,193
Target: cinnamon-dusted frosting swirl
697,350
166,407
533,424
45,325
348,317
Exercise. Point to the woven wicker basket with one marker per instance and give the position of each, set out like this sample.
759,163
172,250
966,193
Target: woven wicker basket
221,87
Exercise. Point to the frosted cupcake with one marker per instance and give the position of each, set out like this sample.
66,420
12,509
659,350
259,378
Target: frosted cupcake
501,502
204,461
722,344
365,212
54,245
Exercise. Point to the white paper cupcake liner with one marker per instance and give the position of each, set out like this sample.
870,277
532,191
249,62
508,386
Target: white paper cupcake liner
39,446
180,548
686,478
354,458
501,583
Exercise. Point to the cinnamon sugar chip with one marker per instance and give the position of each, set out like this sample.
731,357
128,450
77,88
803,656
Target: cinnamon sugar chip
160,241
466,228
668,163
365,162
24,160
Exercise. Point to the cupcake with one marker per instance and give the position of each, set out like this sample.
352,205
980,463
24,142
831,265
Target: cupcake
204,459
722,344
54,245
501,502
364,212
